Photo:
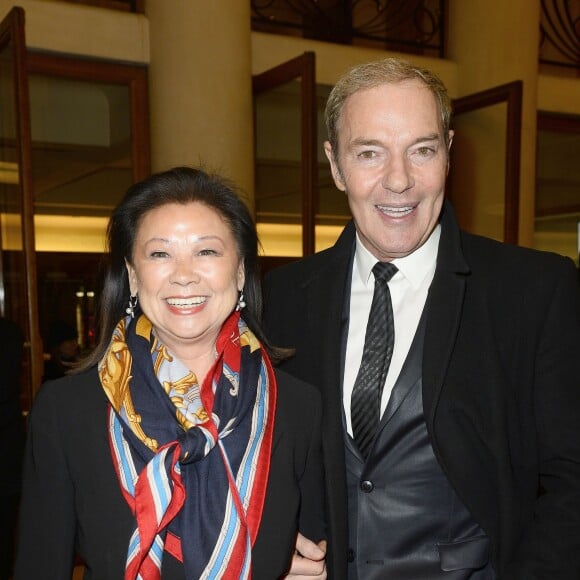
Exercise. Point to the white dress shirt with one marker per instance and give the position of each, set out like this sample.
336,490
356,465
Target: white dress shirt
408,288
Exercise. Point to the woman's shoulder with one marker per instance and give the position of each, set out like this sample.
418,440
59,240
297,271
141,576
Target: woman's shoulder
75,388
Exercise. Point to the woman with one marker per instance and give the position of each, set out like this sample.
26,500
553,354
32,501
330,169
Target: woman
176,451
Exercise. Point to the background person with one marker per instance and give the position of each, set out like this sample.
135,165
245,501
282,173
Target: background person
472,469
12,437
175,446
63,348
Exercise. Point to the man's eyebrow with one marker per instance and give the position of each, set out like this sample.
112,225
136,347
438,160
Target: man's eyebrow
427,138
430,137
362,142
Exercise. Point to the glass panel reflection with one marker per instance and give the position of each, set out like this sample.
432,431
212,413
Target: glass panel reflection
82,165
81,145
476,186
557,227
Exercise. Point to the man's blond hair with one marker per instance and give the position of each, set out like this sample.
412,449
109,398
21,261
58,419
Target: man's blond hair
372,74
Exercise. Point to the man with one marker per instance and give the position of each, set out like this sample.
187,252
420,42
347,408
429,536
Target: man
474,468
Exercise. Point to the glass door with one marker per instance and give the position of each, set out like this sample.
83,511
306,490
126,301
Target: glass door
484,179
285,129
89,143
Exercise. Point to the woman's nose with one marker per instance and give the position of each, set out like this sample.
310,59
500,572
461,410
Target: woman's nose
184,273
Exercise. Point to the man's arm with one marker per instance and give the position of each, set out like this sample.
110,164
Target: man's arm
550,544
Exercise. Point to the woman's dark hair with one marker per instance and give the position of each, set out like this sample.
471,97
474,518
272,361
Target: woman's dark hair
181,185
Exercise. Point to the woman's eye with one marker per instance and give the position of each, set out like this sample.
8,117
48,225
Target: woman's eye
208,252
159,254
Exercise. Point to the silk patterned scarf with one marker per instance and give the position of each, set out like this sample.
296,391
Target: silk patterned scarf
192,460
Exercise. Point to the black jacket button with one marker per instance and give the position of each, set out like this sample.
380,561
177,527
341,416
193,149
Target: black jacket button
367,486
350,556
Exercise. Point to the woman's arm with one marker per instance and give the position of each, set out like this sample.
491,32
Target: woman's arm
46,531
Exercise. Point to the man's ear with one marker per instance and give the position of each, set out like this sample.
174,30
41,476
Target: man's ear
335,170
449,142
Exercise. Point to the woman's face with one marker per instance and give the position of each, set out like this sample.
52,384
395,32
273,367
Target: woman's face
186,272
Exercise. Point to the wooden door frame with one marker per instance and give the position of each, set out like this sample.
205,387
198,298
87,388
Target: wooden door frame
12,30
511,94
302,67
134,76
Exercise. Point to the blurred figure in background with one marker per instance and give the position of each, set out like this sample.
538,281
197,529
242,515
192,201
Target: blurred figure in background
63,347
11,435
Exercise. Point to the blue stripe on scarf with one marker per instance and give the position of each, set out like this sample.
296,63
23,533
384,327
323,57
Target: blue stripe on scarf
227,534
133,545
161,489
157,551
125,462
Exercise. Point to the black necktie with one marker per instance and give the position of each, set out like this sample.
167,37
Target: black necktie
379,339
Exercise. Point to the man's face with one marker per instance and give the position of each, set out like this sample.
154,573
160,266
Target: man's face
392,163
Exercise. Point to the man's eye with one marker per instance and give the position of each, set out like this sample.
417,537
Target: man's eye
367,154
425,151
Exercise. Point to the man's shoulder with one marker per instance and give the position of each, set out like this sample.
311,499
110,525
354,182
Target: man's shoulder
480,251
477,244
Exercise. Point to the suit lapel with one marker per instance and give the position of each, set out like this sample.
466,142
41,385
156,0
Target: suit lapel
443,311
410,374
326,293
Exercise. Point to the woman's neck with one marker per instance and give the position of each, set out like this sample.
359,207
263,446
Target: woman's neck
199,364
198,357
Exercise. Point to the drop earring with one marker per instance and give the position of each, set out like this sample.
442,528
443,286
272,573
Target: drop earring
241,302
132,305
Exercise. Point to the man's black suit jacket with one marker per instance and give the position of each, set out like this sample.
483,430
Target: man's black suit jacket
501,388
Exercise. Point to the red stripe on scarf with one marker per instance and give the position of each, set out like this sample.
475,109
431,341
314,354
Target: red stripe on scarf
146,518
256,507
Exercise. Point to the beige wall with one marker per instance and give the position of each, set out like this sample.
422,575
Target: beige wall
332,60
559,94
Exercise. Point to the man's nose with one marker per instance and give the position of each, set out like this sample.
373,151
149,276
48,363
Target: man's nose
397,175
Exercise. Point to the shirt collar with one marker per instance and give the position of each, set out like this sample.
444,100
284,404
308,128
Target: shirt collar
414,267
